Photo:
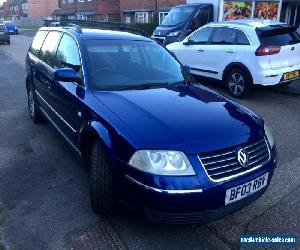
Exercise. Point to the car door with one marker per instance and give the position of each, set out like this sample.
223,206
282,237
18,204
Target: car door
193,51
67,97
220,52
43,71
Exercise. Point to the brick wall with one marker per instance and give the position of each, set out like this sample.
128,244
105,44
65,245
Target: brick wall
6,11
41,8
169,3
127,7
108,8
86,6
148,4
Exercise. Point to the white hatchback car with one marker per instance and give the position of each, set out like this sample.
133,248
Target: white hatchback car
242,53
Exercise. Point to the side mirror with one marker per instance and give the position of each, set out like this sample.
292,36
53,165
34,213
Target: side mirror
66,75
186,42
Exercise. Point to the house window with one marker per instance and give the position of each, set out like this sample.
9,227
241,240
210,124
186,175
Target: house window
84,17
162,16
293,15
142,17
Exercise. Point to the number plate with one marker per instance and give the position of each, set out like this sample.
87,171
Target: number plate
246,189
291,75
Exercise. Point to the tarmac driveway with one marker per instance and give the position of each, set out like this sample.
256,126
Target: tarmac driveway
44,188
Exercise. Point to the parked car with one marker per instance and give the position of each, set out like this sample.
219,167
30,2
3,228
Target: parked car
183,19
11,27
4,35
152,137
242,53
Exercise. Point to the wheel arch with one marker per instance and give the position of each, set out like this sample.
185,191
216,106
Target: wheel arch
27,81
89,134
238,65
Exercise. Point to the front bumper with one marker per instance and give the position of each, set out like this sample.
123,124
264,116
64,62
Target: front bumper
193,199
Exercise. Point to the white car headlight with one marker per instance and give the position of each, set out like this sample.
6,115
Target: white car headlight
269,136
174,33
162,162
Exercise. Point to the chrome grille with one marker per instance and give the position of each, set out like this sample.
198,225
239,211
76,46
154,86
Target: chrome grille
223,165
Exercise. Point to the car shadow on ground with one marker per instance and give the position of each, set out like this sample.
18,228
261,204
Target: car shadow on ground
290,89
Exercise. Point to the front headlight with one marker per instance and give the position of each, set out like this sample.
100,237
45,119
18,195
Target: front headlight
269,136
174,33
162,162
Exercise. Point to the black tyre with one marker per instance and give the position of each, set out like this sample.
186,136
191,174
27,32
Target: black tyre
34,111
238,82
101,181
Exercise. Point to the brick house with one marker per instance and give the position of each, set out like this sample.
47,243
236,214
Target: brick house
41,8
96,10
14,9
144,11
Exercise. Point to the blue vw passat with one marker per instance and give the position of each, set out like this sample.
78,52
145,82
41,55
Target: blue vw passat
152,137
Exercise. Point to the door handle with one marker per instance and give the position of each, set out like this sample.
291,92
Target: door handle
200,50
229,51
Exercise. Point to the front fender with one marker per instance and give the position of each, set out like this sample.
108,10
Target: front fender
99,131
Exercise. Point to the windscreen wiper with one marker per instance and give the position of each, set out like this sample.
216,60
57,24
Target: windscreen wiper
142,86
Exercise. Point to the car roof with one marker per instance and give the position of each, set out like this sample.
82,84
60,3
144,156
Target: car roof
254,23
193,4
98,34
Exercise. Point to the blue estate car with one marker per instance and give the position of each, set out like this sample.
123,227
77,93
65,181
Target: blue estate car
153,138
11,27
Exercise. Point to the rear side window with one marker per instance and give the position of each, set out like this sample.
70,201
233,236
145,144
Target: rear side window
242,39
67,55
47,52
280,37
201,37
37,42
224,36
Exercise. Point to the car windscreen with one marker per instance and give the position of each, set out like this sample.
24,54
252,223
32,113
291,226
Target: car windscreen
119,64
278,36
9,25
178,15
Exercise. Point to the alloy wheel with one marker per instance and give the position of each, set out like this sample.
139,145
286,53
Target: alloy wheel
236,84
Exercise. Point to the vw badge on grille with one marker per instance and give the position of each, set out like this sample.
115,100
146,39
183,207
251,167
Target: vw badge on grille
242,157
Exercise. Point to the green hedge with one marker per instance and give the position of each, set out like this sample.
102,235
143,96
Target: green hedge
147,27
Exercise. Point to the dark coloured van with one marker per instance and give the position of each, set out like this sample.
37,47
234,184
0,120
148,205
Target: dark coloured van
181,21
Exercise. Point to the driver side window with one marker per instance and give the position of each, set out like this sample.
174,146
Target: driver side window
201,36
67,55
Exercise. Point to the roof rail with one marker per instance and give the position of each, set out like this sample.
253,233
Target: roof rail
76,27
79,24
